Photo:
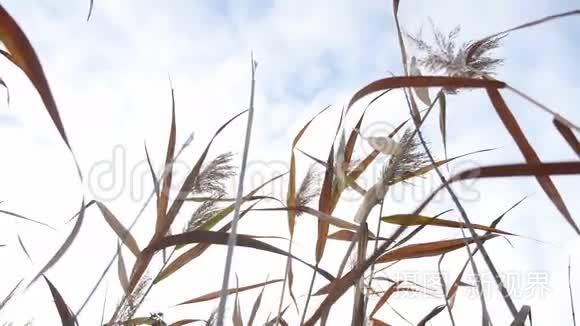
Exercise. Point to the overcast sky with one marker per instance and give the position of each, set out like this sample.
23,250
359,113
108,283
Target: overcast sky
110,80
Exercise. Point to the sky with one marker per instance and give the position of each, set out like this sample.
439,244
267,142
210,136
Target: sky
110,78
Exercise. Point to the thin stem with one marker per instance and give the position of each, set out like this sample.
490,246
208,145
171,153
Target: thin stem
286,271
232,239
308,297
571,297
377,235
444,290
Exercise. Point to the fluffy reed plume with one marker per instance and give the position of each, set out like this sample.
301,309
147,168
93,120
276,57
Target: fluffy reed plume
204,211
131,305
309,189
212,178
409,157
472,59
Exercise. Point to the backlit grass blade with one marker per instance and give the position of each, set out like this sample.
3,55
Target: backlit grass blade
237,314
431,315
568,135
256,306
428,249
64,247
152,172
91,4
24,248
325,205
522,316
392,289
529,153
192,253
347,235
443,120
7,91
122,270
221,239
216,294
163,199
410,219
10,295
24,56
66,316
26,219
187,321
424,81
534,23
124,235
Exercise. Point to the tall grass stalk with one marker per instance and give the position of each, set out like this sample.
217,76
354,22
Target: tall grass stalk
233,234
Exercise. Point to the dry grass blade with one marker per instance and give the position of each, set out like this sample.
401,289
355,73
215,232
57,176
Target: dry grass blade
349,148
26,219
256,306
424,81
186,188
237,314
23,55
163,199
443,121
378,322
216,294
10,295
24,248
431,315
123,234
91,3
522,316
7,91
568,135
186,321
152,171
192,253
64,247
392,289
410,219
348,235
428,249
121,270
325,205
221,239
529,153
534,23
66,316
104,305
319,215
